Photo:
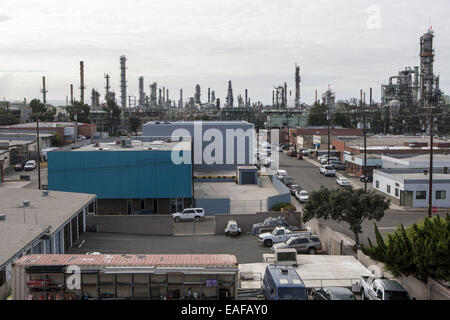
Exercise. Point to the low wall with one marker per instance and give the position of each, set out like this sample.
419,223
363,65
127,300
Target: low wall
282,189
416,288
246,221
214,206
142,225
282,198
333,243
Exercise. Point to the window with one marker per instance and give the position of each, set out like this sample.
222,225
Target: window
377,184
388,189
397,192
441,195
303,241
421,195
142,204
129,206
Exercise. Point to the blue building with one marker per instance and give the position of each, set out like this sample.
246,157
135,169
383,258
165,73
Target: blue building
130,177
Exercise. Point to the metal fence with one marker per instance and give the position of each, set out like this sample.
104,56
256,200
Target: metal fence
248,206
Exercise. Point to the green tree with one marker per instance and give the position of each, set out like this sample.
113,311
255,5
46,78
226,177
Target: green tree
81,110
134,123
7,117
41,111
346,205
115,111
422,250
318,115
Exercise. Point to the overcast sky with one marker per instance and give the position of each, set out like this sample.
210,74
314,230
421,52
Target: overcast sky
179,43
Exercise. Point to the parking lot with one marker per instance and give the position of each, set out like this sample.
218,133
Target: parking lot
245,247
12,178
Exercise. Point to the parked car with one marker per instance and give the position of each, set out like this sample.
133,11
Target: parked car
338,165
324,159
369,178
288,181
382,289
305,153
281,174
18,167
30,165
332,293
303,244
327,171
292,153
189,214
295,188
343,182
302,196
283,283
278,235
232,229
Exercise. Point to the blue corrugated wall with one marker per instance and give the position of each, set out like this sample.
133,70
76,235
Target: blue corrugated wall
120,174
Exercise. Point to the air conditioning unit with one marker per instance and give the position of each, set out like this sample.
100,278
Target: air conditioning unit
286,257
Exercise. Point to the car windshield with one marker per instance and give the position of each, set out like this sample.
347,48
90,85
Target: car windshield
292,294
343,296
303,193
328,168
396,295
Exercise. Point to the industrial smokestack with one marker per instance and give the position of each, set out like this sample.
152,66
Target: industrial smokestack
209,95
297,86
123,82
180,103
141,93
71,94
82,87
44,91
246,97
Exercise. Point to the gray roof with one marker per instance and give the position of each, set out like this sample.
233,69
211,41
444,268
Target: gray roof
137,145
46,214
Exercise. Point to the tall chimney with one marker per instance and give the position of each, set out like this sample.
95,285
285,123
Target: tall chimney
71,94
82,87
44,91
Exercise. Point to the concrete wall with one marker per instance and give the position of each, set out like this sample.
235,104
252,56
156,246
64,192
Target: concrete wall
246,221
282,198
214,206
281,188
333,243
144,225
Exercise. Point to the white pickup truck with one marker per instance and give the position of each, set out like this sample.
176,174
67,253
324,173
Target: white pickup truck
278,235
382,289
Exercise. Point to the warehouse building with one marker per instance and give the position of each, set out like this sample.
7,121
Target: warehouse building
218,145
125,277
128,177
36,222
409,187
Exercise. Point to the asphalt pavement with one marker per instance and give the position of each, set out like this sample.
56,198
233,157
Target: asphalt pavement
307,175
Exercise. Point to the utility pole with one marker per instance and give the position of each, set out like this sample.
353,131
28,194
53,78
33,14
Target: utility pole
365,142
38,153
430,192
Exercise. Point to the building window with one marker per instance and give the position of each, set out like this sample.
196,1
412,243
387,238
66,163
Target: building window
397,192
388,189
176,205
129,206
142,204
441,195
421,195
377,184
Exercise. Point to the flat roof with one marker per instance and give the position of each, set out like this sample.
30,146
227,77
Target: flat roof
45,214
315,271
132,260
386,141
193,122
44,125
137,145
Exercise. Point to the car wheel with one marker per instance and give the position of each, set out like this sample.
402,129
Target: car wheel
197,219
363,296
268,243
311,251
177,219
227,234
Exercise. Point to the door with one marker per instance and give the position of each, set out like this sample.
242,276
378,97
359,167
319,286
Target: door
248,178
280,236
302,245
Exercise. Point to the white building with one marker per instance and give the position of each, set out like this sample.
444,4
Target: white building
409,188
417,162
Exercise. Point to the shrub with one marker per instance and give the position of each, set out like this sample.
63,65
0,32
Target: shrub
283,207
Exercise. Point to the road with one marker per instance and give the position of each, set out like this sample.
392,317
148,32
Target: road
308,177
